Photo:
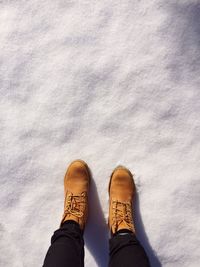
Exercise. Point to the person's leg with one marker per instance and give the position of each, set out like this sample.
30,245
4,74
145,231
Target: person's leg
67,247
125,249
67,244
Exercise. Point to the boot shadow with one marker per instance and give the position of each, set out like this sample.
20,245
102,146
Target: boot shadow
96,232
142,237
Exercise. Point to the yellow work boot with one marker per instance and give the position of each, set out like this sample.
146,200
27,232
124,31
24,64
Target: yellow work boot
76,186
121,193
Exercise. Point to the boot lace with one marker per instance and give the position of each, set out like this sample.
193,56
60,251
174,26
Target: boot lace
75,204
122,212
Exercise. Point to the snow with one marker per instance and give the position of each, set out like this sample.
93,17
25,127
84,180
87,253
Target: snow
110,82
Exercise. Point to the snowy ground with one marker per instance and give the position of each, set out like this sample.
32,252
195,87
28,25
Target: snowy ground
110,82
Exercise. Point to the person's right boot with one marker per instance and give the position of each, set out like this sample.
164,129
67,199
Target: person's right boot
121,194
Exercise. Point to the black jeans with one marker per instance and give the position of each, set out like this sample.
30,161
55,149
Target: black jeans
67,249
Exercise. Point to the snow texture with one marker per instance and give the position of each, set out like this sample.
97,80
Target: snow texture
110,82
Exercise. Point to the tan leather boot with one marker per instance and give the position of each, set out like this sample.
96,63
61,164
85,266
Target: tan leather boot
121,193
76,186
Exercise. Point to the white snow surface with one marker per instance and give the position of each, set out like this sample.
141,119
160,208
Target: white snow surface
109,82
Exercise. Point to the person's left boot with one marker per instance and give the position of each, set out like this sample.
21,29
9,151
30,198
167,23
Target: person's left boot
76,187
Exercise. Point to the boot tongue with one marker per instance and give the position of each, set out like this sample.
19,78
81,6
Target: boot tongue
123,225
